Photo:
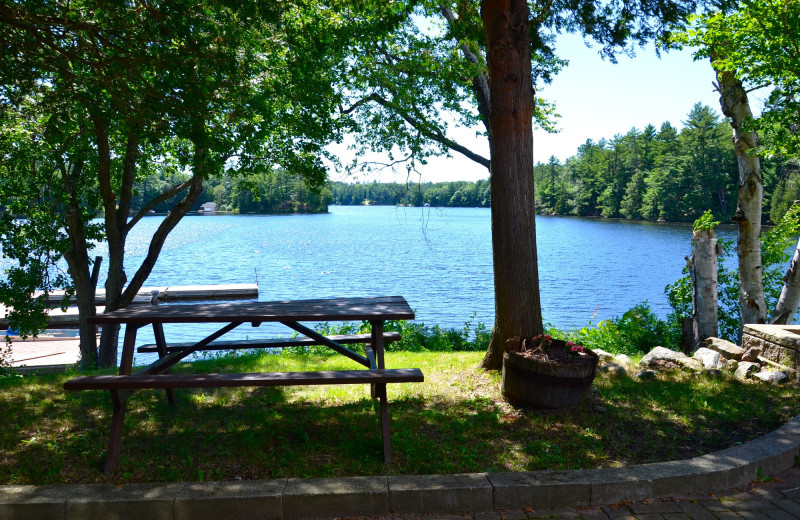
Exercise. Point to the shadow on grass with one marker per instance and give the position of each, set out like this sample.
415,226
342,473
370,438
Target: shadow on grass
257,433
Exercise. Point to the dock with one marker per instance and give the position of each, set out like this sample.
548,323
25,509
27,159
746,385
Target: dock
51,352
147,295
55,317
178,293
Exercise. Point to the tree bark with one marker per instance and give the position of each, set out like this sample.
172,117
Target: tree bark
516,277
703,271
735,106
115,237
790,294
118,295
77,258
116,207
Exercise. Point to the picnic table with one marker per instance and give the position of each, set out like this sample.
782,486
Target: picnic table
157,375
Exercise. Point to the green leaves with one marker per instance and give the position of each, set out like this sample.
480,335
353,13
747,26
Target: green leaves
706,222
97,95
760,44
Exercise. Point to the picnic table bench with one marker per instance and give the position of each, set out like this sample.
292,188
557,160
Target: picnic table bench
289,313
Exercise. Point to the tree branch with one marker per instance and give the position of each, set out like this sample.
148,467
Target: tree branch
156,201
357,104
480,83
422,127
157,242
765,85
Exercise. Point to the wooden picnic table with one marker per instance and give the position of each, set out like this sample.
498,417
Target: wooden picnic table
375,310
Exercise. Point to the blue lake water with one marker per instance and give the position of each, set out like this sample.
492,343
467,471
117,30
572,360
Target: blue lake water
439,259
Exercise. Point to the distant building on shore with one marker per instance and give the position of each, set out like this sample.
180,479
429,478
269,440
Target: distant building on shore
208,207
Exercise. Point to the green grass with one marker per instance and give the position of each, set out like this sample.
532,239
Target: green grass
455,422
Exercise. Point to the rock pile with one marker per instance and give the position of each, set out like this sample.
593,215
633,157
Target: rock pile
718,355
615,365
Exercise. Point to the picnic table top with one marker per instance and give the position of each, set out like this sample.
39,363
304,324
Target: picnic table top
333,309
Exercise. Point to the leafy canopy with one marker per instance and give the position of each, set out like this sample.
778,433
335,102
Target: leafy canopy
760,43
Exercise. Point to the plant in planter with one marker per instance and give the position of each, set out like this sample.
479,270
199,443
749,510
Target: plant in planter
543,372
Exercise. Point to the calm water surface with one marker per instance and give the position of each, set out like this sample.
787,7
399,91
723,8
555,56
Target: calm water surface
439,259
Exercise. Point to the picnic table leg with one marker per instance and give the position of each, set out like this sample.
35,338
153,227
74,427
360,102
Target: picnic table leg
380,390
161,344
128,344
115,435
376,327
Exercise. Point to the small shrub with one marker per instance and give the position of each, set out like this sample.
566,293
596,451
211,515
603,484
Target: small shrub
5,357
416,337
635,332
420,337
706,222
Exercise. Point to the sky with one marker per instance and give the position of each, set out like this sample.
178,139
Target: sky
596,99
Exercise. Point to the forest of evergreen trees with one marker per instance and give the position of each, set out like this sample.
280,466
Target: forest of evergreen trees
660,174
651,174
273,192
460,194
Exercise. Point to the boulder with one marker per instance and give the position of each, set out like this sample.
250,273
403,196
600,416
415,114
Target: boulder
623,360
660,353
665,364
775,377
615,369
731,365
745,369
710,358
726,349
603,355
691,363
752,354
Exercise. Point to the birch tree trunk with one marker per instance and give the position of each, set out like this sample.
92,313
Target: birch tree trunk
703,271
790,294
516,276
735,106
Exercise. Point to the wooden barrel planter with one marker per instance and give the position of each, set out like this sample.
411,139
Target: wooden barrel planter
541,383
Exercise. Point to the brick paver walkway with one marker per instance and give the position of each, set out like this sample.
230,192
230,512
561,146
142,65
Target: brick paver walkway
776,499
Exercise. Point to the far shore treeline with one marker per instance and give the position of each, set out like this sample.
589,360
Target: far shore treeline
653,174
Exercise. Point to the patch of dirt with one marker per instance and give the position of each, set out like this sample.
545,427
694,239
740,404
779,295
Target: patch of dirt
553,351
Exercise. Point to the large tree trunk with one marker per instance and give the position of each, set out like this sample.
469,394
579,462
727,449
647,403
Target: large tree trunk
78,261
77,258
734,103
116,220
115,237
703,270
516,276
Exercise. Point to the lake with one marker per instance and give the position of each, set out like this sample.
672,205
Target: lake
439,259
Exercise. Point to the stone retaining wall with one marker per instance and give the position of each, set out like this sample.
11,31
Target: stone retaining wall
778,343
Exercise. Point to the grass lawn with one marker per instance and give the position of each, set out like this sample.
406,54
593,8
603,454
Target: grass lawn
455,422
